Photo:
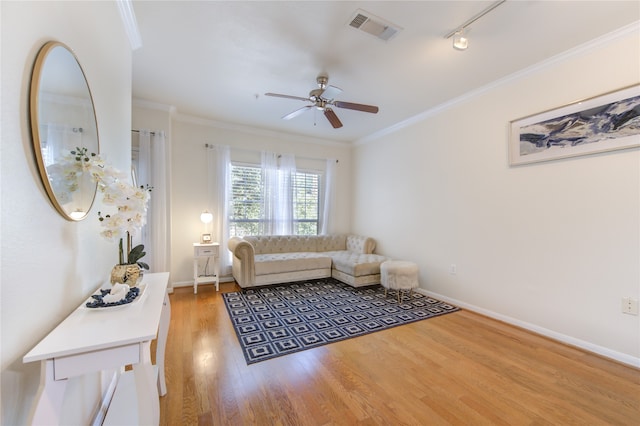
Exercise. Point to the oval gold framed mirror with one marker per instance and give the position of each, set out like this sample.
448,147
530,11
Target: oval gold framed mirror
63,125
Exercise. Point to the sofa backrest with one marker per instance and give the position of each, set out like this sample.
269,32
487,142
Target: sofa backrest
332,242
360,244
263,244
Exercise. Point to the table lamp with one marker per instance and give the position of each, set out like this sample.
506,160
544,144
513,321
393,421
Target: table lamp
206,217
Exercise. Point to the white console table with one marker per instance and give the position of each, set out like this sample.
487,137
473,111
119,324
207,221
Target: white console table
210,252
96,339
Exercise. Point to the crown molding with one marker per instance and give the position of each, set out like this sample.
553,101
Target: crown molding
631,29
207,122
142,103
255,131
125,7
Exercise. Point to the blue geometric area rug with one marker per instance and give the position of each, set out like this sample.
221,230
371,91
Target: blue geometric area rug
277,320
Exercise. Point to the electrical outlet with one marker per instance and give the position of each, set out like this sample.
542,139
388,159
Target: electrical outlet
453,269
629,306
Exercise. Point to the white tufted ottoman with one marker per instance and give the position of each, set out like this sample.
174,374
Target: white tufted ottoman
398,275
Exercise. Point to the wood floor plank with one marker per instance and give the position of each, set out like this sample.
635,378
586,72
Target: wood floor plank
459,368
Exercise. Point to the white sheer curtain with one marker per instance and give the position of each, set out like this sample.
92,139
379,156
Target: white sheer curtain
269,165
152,171
60,141
219,187
278,193
284,195
328,201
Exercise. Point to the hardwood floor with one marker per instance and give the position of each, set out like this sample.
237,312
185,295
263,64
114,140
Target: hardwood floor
460,368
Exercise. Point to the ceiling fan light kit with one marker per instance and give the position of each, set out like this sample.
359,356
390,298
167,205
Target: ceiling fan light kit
322,99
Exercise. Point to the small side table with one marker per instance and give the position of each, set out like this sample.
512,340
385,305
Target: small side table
211,253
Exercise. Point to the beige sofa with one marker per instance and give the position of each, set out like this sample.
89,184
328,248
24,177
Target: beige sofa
263,260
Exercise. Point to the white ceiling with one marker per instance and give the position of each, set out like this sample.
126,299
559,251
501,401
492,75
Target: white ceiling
216,59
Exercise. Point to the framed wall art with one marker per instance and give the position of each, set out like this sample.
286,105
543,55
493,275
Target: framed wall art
603,123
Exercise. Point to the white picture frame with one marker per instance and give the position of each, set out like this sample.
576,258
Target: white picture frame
603,123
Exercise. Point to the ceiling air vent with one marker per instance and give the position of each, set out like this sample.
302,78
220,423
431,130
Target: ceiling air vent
374,25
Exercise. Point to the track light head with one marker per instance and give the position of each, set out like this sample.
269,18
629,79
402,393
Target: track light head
460,42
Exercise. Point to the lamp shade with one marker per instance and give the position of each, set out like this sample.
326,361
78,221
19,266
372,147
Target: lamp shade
206,216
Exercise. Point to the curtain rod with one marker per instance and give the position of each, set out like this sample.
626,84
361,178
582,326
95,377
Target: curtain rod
208,145
138,131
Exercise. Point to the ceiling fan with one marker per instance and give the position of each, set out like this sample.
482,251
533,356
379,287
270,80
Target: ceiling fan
323,98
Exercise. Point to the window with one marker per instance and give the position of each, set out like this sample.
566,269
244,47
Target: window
246,213
306,206
246,201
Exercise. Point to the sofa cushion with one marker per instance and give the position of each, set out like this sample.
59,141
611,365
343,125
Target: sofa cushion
276,263
356,264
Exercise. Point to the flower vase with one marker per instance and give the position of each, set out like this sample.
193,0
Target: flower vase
126,274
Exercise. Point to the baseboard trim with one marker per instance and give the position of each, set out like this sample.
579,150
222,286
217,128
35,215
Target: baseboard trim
562,338
177,284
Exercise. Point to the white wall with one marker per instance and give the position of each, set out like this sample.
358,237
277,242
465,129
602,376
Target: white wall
189,177
553,246
48,264
186,136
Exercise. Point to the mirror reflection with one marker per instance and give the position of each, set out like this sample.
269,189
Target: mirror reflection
63,123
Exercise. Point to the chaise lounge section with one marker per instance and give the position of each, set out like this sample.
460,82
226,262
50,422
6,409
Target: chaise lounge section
273,259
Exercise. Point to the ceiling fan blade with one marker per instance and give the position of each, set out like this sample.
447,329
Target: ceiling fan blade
357,107
330,92
333,118
278,95
297,112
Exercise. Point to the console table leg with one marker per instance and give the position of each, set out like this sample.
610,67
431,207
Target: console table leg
195,275
216,266
163,331
146,390
48,402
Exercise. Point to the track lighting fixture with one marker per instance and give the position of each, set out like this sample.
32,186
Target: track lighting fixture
460,40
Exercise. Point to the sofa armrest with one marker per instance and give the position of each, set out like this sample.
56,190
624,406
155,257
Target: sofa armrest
243,266
360,244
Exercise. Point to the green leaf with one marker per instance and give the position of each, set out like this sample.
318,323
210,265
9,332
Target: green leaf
136,254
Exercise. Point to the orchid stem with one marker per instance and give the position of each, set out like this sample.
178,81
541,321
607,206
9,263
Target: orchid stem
120,253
